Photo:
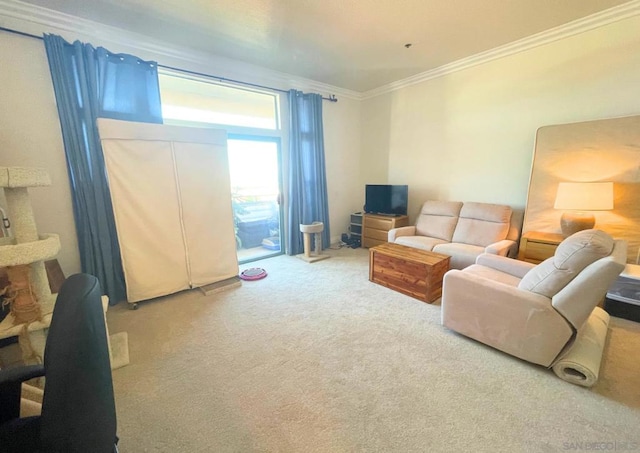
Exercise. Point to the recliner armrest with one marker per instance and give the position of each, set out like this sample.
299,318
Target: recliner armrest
518,322
20,374
11,380
401,231
474,287
503,264
502,248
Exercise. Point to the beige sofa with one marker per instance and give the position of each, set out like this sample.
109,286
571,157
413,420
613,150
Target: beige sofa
533,312
462,231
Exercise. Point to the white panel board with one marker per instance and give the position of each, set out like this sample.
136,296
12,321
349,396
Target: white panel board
203,174
145,204
172,203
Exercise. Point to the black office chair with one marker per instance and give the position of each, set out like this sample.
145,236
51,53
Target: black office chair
78,408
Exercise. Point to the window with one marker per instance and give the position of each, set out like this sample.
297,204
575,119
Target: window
187,99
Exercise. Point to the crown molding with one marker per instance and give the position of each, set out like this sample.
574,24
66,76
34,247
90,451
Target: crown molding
611,15
37,20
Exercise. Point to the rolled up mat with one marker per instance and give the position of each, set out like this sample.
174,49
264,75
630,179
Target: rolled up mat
581,364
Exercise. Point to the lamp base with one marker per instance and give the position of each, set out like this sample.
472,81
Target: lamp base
572,222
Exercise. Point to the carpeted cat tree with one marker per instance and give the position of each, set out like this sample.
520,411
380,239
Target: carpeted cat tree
23,256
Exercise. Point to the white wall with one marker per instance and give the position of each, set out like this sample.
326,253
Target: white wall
469,135
341,122
376,141
30,135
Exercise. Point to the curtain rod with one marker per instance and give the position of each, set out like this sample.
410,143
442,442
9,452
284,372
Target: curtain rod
331,98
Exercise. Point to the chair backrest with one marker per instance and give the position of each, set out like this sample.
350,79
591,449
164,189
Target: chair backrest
577,276
581,295
482,224
78,408
438,219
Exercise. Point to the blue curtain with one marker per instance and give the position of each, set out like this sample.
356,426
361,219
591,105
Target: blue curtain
90,83
307,174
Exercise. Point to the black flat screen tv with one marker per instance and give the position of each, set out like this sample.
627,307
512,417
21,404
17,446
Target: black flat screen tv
386,199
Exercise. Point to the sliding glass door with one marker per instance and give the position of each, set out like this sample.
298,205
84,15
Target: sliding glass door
256,187
251,118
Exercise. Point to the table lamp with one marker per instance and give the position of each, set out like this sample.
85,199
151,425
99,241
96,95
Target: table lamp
577,197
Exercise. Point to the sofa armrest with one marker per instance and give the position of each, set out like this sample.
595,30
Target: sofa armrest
502,248
401,231
503,264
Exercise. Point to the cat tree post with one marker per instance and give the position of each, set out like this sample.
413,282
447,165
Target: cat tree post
24,230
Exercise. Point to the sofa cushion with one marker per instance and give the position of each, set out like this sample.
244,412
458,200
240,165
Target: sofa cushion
438,219
482,224
573,255
420,242
462,255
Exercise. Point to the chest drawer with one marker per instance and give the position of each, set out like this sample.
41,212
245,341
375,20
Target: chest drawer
540,251
536,246
378,224
380,235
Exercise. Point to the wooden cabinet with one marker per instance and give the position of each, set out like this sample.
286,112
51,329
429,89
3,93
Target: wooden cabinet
537,246
411,271
375,228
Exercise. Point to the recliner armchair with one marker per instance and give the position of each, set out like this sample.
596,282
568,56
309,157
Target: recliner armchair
533,312
78,408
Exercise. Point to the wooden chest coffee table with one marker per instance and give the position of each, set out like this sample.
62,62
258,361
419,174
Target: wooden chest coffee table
414,272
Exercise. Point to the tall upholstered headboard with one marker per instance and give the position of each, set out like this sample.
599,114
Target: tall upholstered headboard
601,150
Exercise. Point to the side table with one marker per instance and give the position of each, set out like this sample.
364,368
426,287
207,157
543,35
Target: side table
537,246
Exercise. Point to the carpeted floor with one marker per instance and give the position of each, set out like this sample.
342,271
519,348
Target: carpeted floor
315,358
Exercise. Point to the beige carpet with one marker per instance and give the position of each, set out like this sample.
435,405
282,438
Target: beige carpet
315,358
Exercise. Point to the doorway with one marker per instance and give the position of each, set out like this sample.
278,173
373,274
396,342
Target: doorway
256,185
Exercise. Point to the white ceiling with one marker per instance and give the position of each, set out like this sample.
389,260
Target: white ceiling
352,44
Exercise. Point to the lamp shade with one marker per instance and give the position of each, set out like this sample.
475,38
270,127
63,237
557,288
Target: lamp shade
584,196
575,197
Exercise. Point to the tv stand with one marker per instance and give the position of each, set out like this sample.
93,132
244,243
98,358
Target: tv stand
375,227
